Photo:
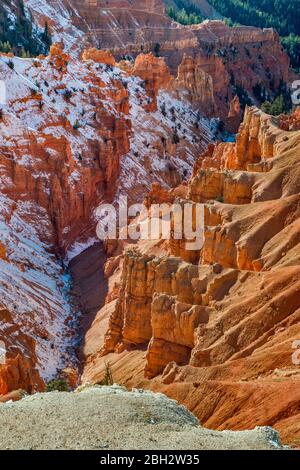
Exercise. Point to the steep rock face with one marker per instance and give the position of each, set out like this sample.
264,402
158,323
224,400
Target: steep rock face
102,24
75,176
259,139
235,114
142,313
232,58
37,322
18,373
134,307
74,133
230,187
224,328
235,107
197,84
80,147
155,73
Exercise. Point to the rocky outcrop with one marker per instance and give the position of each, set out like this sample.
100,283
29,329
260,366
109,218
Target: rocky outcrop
84,420
229,59
59,58
18,373
17,370
235,107
290,122
155,74
257,142
158,195
222,324
141,313
198,85
100,56
92,135
228,187
235,114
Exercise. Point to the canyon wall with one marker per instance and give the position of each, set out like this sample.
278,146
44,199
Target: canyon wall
229,59
213,328
217,333
74,133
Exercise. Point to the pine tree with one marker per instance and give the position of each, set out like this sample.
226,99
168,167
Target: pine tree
47,39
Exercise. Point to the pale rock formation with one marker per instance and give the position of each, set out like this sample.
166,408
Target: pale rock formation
84,420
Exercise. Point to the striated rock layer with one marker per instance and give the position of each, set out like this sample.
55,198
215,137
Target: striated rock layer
217,330
74,133
225,59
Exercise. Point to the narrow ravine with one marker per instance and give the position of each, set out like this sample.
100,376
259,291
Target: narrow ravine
89,289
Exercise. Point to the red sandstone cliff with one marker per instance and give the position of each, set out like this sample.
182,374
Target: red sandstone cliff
225,58
214,328
217,334
74,133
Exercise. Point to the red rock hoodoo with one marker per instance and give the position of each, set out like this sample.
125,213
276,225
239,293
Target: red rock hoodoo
223,57
220,332
126,104
74,133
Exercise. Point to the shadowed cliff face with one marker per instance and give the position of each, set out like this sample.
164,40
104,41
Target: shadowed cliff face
89,289
220,331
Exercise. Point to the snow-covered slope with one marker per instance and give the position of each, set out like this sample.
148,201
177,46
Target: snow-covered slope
72,134
34,289
59,18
